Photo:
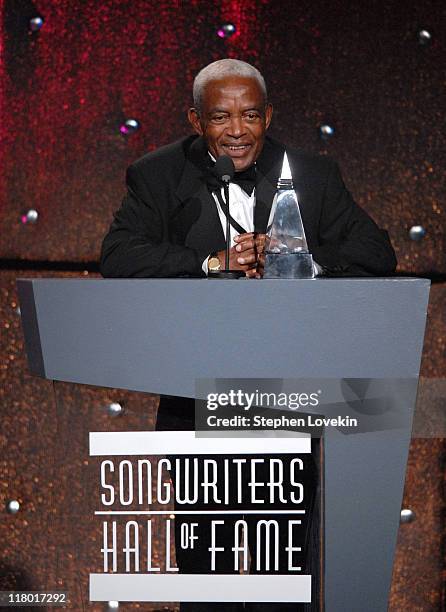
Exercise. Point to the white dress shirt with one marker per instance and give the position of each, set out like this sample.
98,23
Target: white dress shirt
241,206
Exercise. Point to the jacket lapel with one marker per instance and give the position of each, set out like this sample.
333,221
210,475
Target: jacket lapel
196,220
268,166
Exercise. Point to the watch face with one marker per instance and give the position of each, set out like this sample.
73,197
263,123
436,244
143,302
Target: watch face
214,264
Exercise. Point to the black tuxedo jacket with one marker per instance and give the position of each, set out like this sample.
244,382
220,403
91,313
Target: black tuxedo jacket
168,222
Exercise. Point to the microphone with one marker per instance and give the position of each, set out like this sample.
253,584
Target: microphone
224,171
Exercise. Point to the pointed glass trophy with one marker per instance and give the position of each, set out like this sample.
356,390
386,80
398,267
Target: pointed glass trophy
286,249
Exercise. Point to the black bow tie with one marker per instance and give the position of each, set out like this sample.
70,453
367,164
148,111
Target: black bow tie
245,179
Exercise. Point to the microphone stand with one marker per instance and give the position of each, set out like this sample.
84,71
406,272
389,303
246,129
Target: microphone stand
227,273
228,225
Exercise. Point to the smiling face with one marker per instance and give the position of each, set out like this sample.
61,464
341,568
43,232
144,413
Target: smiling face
233,119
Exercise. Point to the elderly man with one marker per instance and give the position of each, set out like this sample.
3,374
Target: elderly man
172,223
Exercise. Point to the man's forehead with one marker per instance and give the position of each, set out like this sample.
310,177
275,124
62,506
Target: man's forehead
232,87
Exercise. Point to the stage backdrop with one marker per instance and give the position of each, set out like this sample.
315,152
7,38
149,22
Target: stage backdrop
363,83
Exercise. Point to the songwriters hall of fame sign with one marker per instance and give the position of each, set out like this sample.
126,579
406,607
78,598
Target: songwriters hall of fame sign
239,505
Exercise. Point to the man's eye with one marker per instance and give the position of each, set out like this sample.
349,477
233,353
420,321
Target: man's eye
252,116
218,118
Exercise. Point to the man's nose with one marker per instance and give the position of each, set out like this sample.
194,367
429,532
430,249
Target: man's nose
236,127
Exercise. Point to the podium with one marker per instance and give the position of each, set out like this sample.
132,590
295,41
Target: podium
361,339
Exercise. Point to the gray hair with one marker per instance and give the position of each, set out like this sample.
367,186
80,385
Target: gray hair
224,68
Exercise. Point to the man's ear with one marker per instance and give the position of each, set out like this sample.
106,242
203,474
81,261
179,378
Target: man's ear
268,114
194,120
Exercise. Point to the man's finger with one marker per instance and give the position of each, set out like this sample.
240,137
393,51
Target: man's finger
252,273
247,259
245,245
243,237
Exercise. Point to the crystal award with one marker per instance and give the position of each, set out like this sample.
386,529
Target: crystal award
286,249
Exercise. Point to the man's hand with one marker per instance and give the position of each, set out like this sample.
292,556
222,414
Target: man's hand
261,238
245,254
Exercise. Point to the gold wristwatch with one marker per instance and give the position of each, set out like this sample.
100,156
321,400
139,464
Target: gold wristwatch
214,264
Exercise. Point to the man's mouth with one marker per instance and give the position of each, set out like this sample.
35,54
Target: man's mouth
236,149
